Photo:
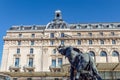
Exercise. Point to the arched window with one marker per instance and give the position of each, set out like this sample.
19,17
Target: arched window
92,53
115,53
103,54
31,50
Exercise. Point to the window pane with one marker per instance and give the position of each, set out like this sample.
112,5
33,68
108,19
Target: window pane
33,35
78,34
103,53
90,41
17,62
101,41
31,50
52,42
62,42
78,42
62,35
113,42
32,42
30,62
51,35
90,34
53,62
19,42
115,53
112,33
92,53
54,51
59,61
20,35
18,50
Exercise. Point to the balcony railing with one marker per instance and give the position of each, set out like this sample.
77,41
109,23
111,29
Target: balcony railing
27,68
13,67
55,68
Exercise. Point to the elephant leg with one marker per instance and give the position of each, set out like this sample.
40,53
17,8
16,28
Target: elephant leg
77,77
71,73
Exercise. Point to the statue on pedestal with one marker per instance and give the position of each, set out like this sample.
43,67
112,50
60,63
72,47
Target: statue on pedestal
82,63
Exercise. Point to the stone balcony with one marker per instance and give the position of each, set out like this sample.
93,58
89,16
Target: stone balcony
28,68
14,68
55,68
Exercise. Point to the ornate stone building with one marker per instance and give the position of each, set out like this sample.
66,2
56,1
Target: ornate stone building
32,48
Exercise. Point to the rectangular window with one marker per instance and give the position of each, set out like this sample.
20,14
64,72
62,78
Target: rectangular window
59,61
62,35
78,34
51,35
101,33
32,42
19,42
112,33
30,62
17,62
62,42
33,35
52,42
90,41
79,42
20,35
90,34
54,51
18,51
31,50
113,42
54,62
101,41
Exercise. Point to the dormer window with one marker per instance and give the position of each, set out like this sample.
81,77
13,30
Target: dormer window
34,27
62,27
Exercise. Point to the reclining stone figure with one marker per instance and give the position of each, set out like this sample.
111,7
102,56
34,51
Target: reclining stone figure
81,62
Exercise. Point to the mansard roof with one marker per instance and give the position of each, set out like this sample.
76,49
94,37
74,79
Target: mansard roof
59,23
63,25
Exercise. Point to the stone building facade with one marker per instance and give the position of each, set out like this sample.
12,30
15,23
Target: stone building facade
32,48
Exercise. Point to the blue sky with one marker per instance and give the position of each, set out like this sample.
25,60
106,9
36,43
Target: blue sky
29,12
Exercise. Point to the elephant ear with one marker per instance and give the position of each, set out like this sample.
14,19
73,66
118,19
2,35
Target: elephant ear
76,49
